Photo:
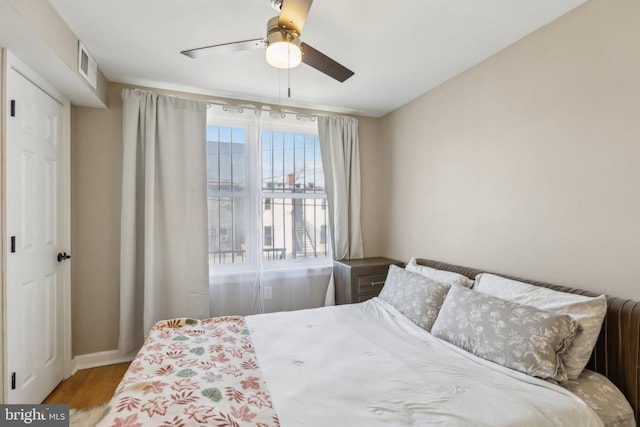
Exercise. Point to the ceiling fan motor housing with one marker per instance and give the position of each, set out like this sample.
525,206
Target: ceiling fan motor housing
273,26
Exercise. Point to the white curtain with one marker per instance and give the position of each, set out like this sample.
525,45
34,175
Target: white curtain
292,284
241,293
340,150
163,249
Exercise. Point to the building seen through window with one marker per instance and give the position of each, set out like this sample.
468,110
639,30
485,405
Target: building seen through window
287,195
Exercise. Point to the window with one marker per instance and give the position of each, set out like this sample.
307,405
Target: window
271,180
226,193
293,182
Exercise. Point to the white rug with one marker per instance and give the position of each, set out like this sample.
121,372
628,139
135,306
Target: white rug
88,417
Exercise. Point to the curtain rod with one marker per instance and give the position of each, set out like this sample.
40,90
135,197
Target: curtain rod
241,108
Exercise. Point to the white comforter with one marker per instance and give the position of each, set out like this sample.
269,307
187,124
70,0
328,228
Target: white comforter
368,365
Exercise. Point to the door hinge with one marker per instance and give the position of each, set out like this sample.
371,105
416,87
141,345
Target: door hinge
13,244
13,108
13,381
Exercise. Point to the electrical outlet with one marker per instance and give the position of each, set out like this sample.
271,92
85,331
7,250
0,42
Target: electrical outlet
266,292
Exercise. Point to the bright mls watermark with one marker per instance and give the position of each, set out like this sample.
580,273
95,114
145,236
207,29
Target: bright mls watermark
34,415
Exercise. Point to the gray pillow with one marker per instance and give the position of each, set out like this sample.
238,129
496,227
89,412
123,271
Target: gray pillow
417,297
517,336
586,311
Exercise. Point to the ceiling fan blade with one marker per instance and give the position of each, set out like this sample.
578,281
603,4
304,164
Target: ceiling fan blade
324,64
224,48
294,14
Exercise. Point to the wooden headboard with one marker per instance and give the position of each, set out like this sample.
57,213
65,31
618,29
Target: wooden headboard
617,352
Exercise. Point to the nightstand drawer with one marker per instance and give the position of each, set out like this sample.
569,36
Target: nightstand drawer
358,280
371,284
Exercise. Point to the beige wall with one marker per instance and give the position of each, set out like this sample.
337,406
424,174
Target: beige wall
372,181
44,19
48,25
528,163
96,170
96,158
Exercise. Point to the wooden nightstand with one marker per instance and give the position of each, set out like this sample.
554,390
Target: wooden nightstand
358,280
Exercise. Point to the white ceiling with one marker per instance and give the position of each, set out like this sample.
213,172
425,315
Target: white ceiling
398,49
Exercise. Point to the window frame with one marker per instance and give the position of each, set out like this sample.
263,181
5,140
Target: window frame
254,195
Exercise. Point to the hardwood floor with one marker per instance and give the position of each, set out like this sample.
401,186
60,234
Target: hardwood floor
89,387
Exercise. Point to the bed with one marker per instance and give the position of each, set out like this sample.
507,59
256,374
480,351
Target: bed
389,362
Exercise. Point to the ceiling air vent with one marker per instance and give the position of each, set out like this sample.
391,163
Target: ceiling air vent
87,67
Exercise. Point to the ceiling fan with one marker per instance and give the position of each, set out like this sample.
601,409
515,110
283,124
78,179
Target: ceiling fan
284,49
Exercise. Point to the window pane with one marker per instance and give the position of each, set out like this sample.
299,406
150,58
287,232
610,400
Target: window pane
288,159
226,230
297,229
268,236
291,162
300,169
226,154
315,177
268,183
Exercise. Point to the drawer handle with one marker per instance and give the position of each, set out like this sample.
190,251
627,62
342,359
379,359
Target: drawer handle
377,283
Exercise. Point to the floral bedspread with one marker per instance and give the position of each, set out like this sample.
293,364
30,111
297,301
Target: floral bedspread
194,372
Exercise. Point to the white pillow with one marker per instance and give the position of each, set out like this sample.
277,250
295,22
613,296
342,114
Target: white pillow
440,276
588,312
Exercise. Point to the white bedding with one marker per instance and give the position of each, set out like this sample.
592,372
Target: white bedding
368,365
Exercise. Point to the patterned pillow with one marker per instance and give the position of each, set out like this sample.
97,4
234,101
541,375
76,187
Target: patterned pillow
440,276
588,312
519,337
417,297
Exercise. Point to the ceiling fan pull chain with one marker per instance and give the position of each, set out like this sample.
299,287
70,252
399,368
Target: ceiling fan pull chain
289,70
279,90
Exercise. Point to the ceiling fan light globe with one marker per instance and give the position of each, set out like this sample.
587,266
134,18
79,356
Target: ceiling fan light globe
284,55
283,49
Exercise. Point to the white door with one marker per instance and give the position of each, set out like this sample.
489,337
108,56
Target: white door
34,219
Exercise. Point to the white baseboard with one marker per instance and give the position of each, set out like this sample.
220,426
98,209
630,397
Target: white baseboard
103,358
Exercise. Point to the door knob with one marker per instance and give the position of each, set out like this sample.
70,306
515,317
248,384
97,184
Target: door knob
62,256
